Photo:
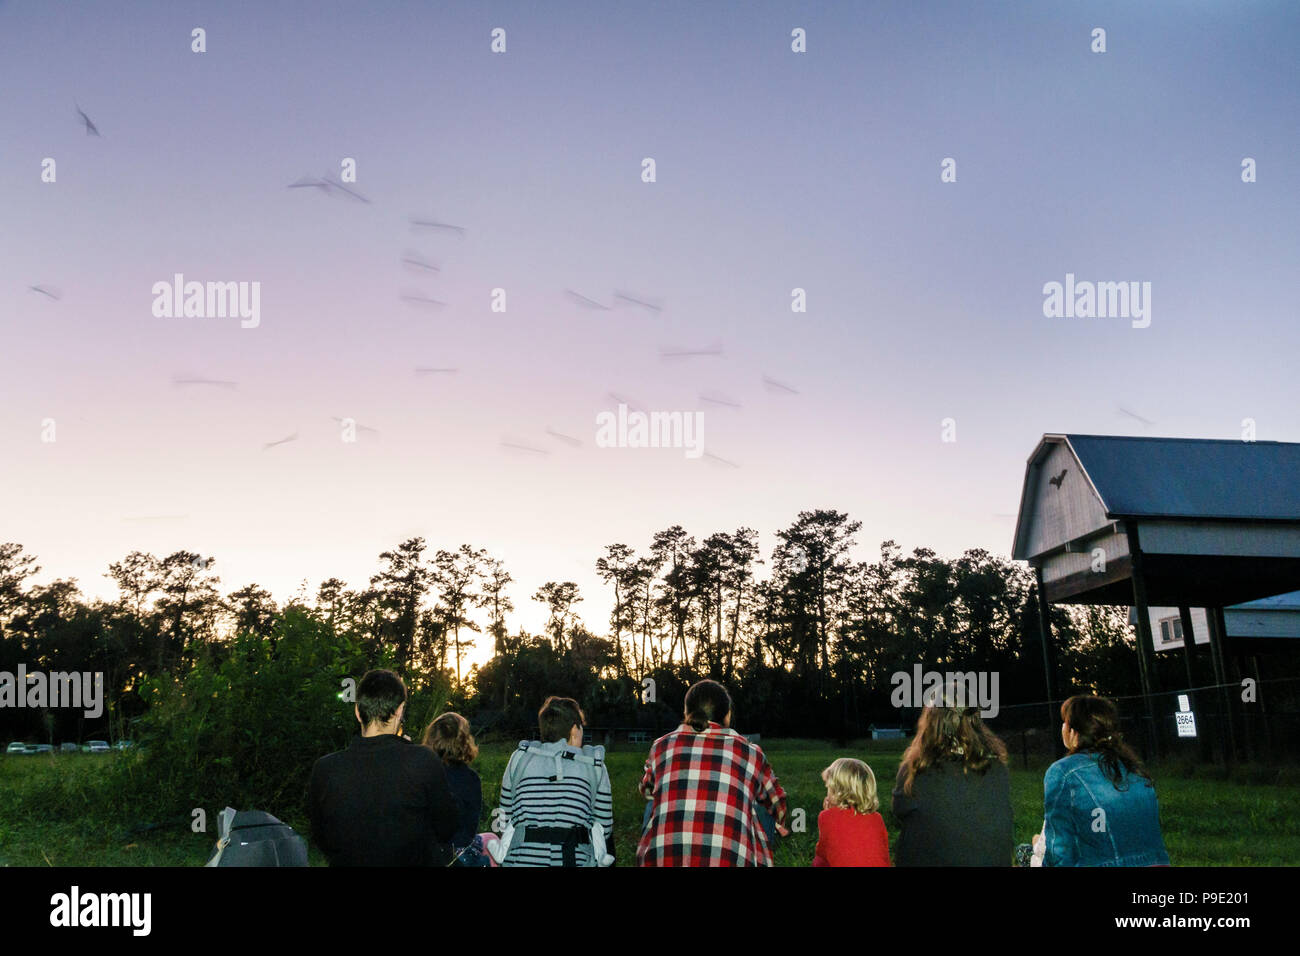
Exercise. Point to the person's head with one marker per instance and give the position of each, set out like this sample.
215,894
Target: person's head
561,719
707,700
1090,724
851,784
946,731
448,736
381,701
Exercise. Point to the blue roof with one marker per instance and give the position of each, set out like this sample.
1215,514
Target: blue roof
1192,477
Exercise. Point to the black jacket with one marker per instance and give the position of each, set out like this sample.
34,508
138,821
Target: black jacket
382,802
954,818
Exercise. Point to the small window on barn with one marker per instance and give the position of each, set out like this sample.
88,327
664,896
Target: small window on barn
1171,630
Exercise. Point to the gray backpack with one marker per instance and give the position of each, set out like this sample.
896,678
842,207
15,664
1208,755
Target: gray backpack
254,838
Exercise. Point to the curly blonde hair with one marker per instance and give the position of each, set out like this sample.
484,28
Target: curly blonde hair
851,784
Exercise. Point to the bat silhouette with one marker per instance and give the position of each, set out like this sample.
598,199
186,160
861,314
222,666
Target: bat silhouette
584,301
1058,479
1144,421
564,438
282,441
686,353
522,447
633,300
219,383
431,224
91,128
773,385
414,298
44,291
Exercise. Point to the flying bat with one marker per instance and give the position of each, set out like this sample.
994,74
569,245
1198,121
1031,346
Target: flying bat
633,300
431,224
282,441
219,383
524,448
723,461
53,294
687,353
358,427
413,261
586,302
1144,421
330,181
773,385
91,128
564,438
720,400
414,298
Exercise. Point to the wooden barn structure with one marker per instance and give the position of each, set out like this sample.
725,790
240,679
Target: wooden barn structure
1150,522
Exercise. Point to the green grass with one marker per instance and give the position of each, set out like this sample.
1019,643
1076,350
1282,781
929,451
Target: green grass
1210,817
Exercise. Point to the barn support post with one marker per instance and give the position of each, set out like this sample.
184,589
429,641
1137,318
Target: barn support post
1189,650
1217,631
1049,662
1145,649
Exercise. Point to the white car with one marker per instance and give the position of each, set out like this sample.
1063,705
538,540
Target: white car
97,747
17,747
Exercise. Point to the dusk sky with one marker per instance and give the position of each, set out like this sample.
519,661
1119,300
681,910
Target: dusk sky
775,170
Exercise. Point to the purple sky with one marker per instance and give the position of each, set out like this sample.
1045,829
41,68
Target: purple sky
775,170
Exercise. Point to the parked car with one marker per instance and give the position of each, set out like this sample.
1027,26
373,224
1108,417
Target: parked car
17,748
67,748
124,745
97,747
40,749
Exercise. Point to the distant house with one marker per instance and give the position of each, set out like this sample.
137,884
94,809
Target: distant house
1271,617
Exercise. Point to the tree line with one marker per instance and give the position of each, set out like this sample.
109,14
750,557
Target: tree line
806,637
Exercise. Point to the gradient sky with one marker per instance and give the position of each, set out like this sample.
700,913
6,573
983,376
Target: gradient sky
775,170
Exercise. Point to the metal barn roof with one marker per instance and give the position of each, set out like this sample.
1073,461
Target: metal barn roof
1192,477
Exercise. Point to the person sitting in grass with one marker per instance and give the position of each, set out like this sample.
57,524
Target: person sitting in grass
448,735
952,798
383,801
1099,802
557,805
707,784
850,830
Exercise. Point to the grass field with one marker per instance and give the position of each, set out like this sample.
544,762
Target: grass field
1248,819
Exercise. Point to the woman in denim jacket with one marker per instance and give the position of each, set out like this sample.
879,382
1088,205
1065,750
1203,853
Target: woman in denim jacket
1099,801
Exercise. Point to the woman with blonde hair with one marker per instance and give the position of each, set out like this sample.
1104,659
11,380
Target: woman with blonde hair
952,797
850,830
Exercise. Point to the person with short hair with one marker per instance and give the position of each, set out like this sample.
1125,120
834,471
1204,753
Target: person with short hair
952,798
707,785
850,829
557,804
1099,801
383,801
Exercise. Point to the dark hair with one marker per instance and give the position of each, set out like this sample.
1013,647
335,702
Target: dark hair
449,737
707,700
948,732
1096,721
557,718
379,695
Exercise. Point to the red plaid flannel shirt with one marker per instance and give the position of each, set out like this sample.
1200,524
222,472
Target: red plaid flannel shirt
706,788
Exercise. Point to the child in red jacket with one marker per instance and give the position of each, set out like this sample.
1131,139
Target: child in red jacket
850,830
